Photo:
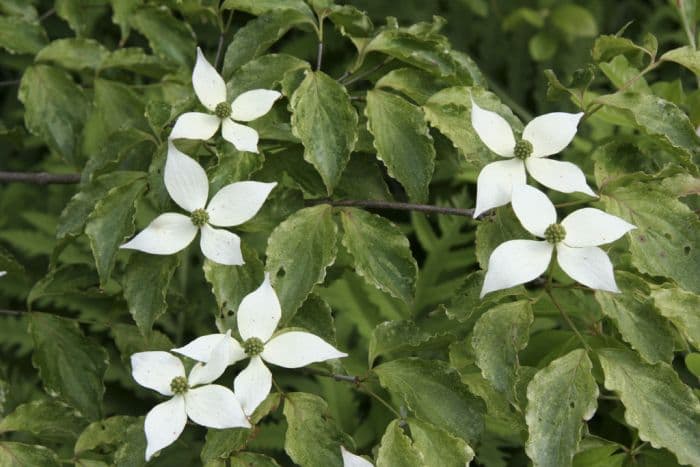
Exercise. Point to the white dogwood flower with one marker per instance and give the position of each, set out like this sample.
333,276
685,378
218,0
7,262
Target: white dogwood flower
544,136
576,241
2,273
258,316
188,186
353,460
209,405
210,89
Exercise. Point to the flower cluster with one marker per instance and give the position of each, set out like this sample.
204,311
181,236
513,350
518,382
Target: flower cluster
187,182
216,406
576,238
259,313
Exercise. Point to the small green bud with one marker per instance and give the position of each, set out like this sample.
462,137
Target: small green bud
523,149
199,217
179,385
253,346
223,110
555,233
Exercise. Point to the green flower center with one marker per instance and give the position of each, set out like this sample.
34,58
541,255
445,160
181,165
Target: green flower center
555,233
179,385
223,110
523,149
253,346
199,217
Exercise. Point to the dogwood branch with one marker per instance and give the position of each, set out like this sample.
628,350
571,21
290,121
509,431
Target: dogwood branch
379,204
39,178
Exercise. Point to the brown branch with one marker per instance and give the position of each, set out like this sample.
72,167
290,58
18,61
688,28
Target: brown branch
378,204
39,178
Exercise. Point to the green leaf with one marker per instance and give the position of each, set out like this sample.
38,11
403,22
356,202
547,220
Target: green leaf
263,72
638,321
259,7
497,338
350,21
450,112
129,340
64,281
19,8
146,304
55,109
81,15
111,223
418,85
230,284
381,252
21,36
560,397
24,455
316,317
437,447
682,309
298,252
685,56
45,418
542,46
73,54
607,47
434,392
312,438
170,38
574,20
221,443
402,141
396,449
247,459
665,242
71,366
396,336
326,122
136,60
494,230
108,432
665,411
258,35
656,117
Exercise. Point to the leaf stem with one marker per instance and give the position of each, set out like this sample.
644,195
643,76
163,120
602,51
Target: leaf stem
379,204
319,56
39,178
347,80
220,47
568,319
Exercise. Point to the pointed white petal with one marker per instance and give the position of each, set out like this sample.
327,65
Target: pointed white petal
164,424
557,175
533,209
353,460
259,312
221,246
215,406
252,385
185,180
551,133
237,203
204,373
592,227
253,104
295,349
2,273
244,138
207,83
201,348
495,184
195,125
494,131
590,266
516,262
165,235
156,370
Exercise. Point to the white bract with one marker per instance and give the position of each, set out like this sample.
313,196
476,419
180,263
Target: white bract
353,460
544,136
575,239
188,186
210,405
211,91
258,316
2,273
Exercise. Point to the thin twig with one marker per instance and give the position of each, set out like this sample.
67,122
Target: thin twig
220,46
348,80
378,204
568,320
347,378
39,178
12,312
10,82
49,12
